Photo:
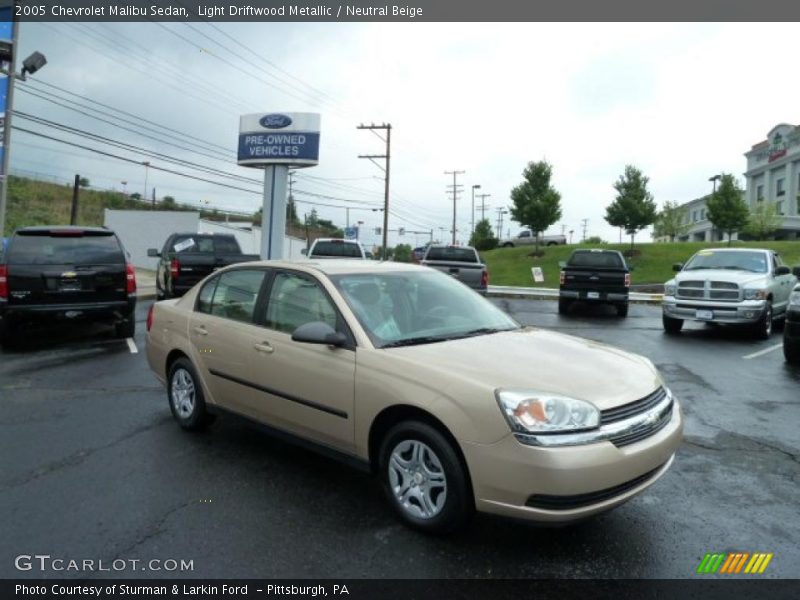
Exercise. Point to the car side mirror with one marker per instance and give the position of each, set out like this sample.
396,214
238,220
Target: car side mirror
796,271
782,270
677,267
153,252
318,332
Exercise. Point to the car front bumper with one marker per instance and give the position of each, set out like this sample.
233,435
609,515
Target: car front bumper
736,313
568,483
98,311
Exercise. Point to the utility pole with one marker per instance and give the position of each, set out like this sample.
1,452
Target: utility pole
387,156
146,171
474,187
500,213
73,213
455,186
483,205
585,225
154,197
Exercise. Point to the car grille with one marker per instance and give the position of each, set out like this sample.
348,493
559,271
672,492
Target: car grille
709,290
646,429
581,500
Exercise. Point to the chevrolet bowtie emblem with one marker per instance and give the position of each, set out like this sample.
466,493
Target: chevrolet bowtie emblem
69,274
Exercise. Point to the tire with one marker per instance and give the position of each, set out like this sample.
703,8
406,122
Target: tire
6,330
125,328
622,310
672,326
508,245
791,351
762,329
188,410
552,243
563,306
160,295
417,458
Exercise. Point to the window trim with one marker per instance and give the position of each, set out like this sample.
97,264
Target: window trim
341,323
215,279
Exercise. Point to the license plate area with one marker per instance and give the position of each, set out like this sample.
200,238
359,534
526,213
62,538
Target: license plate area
704,314
593,295
69,285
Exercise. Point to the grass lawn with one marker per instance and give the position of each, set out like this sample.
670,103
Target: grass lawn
512,266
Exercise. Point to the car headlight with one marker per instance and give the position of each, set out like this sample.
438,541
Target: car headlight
755,294
794,298
670,289
529,411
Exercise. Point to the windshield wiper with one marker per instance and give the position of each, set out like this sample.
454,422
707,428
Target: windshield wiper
479,331
423,339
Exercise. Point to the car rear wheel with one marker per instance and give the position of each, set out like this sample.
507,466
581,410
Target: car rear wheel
672,326
563,306
6,329
791,351
424,478
762,329
186,400
508,245
622,310
125,328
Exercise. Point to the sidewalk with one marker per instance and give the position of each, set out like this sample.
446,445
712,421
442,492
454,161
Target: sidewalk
145,284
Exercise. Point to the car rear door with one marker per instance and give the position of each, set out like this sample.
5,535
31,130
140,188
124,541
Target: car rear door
53,267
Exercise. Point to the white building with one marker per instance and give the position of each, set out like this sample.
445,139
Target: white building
773,175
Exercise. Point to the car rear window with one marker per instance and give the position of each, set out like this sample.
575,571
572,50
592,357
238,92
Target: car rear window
453,253
66,249
335,248
608,260
205,244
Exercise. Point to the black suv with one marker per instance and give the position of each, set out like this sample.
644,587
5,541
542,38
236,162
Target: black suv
66,273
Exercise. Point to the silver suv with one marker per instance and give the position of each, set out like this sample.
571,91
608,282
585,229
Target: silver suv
740,286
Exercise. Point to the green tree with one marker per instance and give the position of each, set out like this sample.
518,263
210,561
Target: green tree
537,204
634,208
402,253
763,221
168,202
594,240
291,213
136,196
726,208
83,182
670,222
483,237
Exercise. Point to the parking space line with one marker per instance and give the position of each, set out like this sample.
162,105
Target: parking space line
132,346
762,352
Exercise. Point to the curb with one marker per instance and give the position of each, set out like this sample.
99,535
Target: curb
497,291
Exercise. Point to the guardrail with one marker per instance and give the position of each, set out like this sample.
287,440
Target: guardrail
549,293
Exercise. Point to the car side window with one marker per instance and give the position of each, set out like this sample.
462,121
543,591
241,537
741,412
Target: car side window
236,294
205,296
295,300
775,263
525,234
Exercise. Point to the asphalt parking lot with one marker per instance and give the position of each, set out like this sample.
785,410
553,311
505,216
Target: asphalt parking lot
93,467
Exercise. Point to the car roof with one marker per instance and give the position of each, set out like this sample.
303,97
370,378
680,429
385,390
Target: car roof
735,250
341,266
46,228
336,240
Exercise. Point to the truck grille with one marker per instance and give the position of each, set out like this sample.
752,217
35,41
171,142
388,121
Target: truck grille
709,290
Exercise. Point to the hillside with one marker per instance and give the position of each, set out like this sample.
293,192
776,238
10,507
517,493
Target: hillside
512,266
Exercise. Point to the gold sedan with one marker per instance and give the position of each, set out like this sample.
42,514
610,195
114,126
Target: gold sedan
453,404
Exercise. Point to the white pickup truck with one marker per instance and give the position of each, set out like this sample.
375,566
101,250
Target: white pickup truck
738,286
526,238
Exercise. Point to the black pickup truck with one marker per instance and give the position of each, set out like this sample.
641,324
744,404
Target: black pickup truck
593,275
187,258
66,273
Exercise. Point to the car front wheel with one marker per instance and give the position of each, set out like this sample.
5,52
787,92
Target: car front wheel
791,350
186,400
424,479
672,326
762,329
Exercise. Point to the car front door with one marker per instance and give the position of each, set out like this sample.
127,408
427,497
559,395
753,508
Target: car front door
307,389
783,286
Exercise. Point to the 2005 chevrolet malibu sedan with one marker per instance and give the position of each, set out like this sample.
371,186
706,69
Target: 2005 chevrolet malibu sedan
452,404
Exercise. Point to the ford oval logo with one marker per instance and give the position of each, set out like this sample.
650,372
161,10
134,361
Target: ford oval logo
275,121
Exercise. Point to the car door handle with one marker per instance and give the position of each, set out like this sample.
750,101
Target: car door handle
264,347
200,330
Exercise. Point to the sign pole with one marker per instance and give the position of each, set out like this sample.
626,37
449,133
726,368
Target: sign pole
273,211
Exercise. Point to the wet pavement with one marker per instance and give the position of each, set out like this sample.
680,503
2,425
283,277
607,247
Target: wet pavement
92,467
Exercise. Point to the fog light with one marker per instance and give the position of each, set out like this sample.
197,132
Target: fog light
749,314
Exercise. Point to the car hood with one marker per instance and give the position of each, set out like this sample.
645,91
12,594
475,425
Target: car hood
740,277
544,360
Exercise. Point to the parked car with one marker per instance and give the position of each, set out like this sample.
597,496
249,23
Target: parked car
791,330
66,273
526,238
736,286
403,370
462,262
418,253
186,258
596,276
336,248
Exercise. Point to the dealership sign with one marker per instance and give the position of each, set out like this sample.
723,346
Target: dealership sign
279,139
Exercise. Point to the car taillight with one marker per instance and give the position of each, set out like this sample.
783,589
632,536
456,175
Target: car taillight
130,279
485,279
563,277
150,317
175,268
4,282
627,280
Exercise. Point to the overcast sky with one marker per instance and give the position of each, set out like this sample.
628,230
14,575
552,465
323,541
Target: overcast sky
681,102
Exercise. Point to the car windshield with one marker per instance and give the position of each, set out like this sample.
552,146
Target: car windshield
453,253
409,308
738,260
336,248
